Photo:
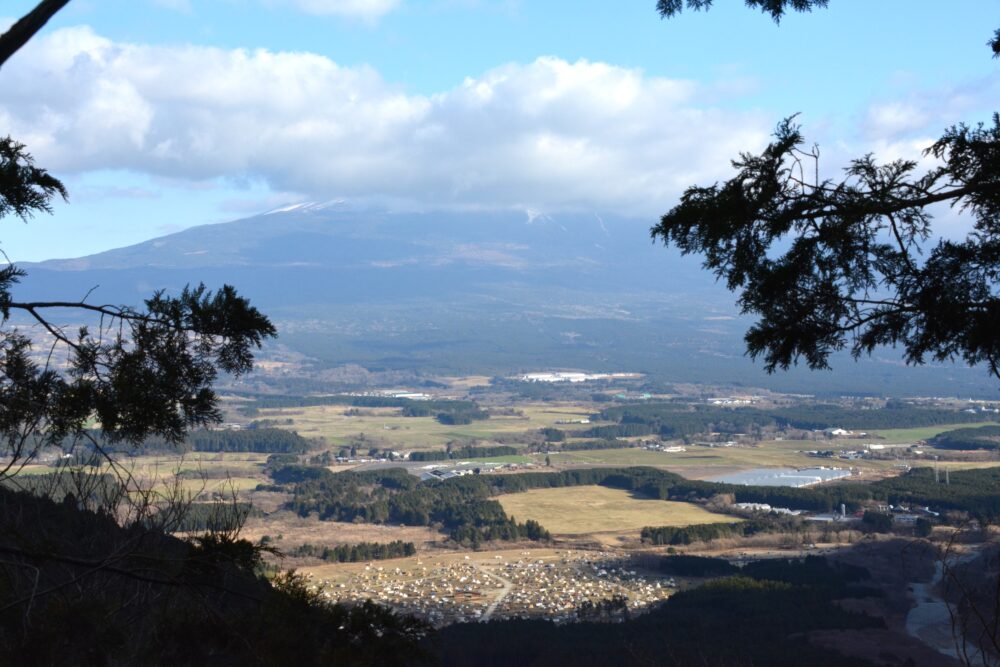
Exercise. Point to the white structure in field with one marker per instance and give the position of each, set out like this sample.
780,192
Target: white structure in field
573,376
782,476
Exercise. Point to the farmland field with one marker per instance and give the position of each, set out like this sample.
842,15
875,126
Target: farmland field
201,473
295,530
596,509
387,427
700,462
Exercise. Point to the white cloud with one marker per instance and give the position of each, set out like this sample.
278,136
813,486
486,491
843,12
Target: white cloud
894,118
923,111
548,134
367,10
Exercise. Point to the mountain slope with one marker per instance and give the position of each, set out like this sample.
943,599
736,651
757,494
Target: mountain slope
472,292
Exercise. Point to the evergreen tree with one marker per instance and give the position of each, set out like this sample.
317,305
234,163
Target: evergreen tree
850,263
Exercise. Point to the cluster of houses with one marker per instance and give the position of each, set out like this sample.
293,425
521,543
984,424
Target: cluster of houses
556,590
905,514
411,395
865,451
574,377
901,514
443,590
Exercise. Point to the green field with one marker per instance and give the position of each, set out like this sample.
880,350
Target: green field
582,510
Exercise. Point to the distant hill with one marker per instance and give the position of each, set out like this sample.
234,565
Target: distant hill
473,292
360,254
983,437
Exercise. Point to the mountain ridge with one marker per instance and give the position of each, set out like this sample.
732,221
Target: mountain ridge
478,292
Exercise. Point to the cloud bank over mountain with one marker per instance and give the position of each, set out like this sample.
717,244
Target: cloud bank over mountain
549,134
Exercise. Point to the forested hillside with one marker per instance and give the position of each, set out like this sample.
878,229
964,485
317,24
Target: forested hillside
158,600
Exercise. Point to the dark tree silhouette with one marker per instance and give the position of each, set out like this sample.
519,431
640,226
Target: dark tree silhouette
24,29
137,371
776,8
852,263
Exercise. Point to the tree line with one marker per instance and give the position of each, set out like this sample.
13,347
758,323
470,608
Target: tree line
467,452
256,440
983,437
591,445
705,532
354,553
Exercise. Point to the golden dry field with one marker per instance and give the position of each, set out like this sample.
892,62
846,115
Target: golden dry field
201,474
582,510
295,530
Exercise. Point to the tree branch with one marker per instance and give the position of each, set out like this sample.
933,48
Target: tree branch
901,204
25,29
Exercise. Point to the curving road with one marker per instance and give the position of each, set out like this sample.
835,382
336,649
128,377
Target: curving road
507,586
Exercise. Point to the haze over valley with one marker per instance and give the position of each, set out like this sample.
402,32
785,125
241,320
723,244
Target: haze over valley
478,292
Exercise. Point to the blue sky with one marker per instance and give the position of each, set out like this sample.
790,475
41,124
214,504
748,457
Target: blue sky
161,114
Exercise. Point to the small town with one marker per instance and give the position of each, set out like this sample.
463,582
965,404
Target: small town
561,586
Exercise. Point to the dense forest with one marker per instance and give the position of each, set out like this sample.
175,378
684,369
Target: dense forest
260,440
983,437
394,496
704,532
590,445
355,553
